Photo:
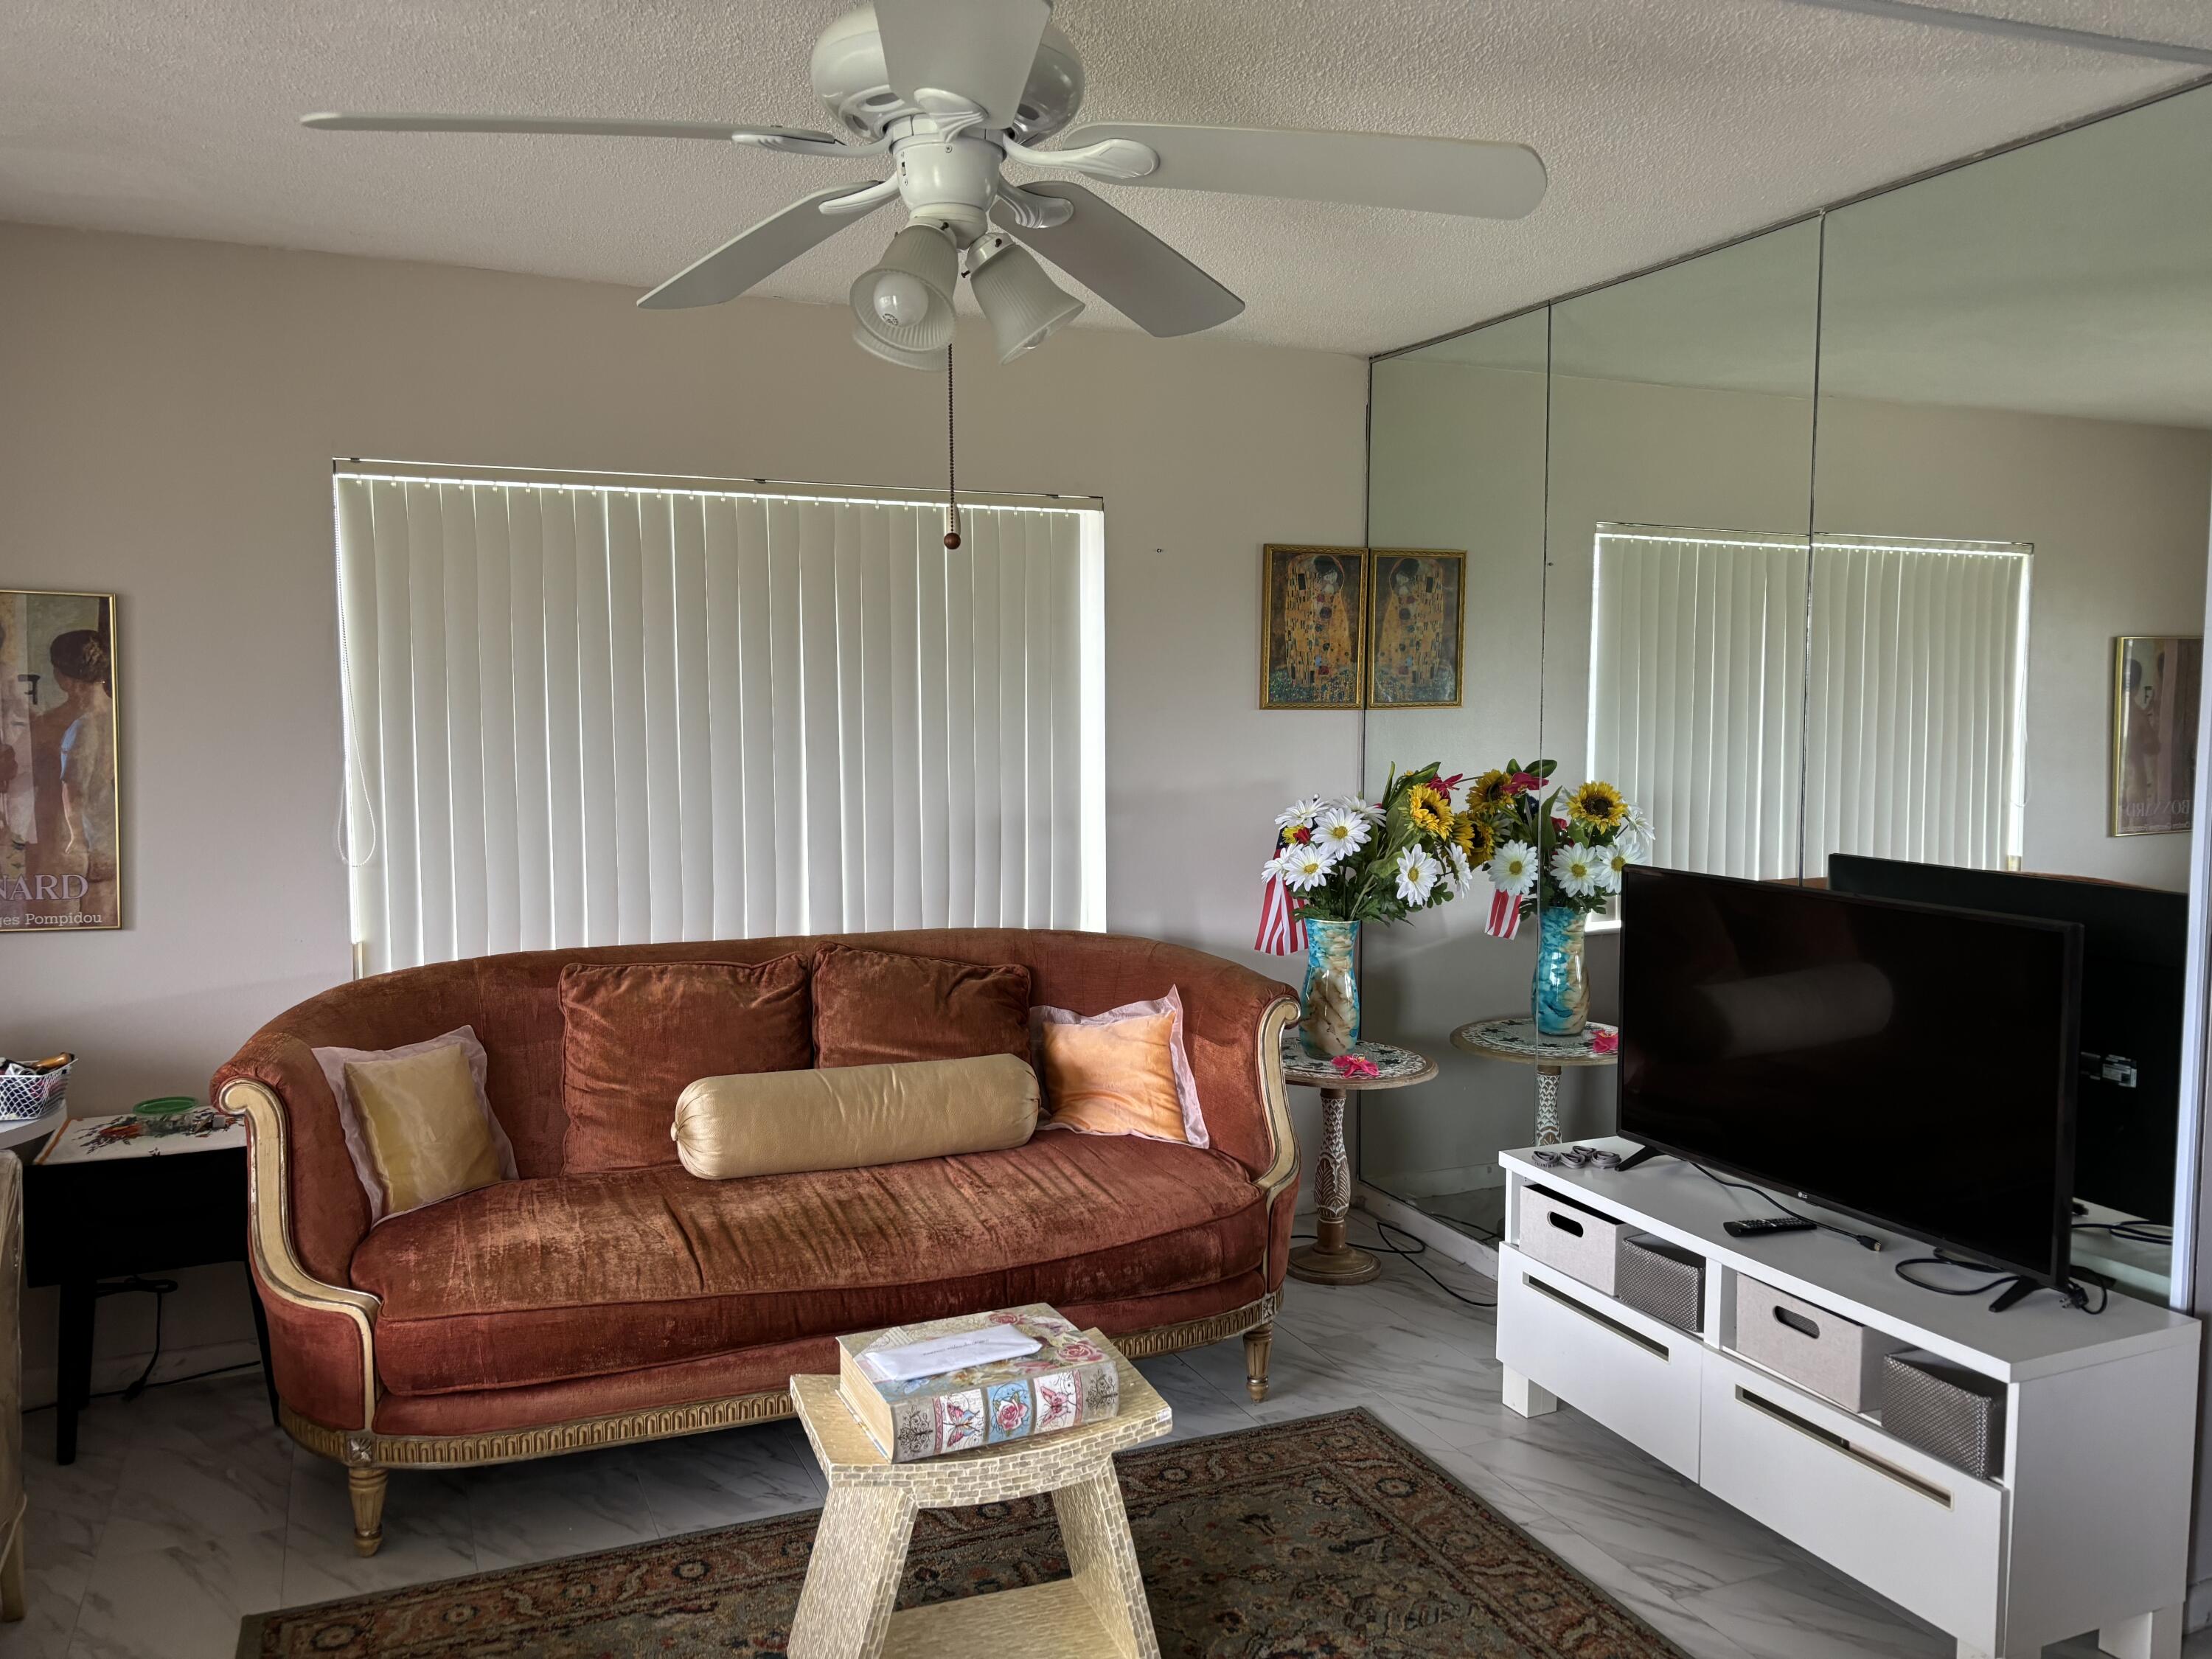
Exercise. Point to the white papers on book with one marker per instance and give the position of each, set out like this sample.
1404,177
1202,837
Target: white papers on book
939,1354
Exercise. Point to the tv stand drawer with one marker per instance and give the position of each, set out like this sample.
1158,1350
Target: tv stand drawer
1929,1537
1622,1368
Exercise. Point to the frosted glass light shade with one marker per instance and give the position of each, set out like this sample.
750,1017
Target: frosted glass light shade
927,362
923,254
1022,303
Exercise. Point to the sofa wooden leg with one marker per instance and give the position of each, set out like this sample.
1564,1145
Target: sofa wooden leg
365,1485
1259,1341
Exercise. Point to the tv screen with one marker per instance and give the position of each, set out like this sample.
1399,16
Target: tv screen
1905,1063
2134,970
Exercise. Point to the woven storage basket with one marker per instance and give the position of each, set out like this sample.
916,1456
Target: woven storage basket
27,1096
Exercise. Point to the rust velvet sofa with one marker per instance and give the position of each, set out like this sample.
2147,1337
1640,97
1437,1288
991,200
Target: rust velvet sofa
566,1310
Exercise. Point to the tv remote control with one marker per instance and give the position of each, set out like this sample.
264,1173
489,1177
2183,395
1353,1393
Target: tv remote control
1764,1224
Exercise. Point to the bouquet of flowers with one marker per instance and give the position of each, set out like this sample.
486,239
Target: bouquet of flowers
1540,842
1353,859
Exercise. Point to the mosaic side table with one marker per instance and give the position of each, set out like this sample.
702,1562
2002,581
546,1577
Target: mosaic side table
1329,1260
1518,1039
859,1547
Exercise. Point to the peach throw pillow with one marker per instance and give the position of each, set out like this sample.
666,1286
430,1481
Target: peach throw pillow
1122,1072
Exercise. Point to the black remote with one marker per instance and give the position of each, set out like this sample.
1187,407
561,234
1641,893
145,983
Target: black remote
1764,1224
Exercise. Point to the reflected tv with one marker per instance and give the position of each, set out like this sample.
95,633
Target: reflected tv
1907,1064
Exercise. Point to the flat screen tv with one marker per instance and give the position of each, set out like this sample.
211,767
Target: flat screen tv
2135,972
1908,1064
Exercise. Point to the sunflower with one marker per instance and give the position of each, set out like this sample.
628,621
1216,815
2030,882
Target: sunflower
1473,837
1488,790
1430,809
1598,804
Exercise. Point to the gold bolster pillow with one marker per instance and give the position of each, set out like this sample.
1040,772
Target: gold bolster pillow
846,1117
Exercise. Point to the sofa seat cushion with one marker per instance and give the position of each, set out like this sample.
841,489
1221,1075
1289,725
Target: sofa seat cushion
532,1282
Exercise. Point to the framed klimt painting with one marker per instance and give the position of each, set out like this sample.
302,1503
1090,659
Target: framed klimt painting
60,856
1312,600
2156,679
1416,626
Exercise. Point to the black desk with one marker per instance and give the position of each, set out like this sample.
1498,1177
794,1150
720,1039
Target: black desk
84,1223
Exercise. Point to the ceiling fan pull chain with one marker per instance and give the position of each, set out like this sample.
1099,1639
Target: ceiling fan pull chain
951,474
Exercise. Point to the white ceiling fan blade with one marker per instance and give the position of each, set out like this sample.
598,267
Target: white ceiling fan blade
766,248
581,126
1124,263
1468,176
982,50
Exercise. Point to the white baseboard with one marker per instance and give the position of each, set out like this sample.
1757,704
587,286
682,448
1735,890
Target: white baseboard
111,1372
1443,1238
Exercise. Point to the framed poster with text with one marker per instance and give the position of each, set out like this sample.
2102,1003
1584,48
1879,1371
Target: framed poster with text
60,829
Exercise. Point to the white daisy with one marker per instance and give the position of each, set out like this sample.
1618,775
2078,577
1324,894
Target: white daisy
1341,831
1638,837
1300,814
1459,874
1611,861
1418,871
1303,868
1360,804
1513,868
1574,867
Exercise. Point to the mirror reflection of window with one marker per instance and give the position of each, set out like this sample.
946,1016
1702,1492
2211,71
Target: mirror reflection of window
1909,658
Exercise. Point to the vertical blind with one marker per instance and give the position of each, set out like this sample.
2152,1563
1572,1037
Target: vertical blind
1881,712
581,715
1696,670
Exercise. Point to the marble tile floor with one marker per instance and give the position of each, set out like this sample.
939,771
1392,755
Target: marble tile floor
186,1509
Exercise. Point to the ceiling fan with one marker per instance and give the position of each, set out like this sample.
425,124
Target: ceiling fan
953,90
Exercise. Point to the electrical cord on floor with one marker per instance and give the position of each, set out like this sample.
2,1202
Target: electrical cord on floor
1864,1241
1383,1230
2136,1232
165,1382
2075,1292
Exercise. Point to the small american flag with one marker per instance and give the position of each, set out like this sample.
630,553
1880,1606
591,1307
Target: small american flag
1281,933
1505,914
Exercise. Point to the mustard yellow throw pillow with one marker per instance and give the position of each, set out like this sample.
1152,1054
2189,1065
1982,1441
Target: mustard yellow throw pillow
416,1123
1122,1072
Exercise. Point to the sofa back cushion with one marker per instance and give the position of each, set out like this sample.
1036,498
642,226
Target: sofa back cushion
636,1034
880,1007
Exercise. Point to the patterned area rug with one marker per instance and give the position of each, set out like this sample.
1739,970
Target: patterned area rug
1325,1537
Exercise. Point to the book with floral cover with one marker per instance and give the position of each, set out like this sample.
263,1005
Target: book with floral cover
1068,1378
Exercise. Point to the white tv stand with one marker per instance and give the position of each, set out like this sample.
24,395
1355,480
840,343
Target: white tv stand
2087,1528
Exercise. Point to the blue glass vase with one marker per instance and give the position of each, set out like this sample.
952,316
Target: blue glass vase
1561,1002
1328,1008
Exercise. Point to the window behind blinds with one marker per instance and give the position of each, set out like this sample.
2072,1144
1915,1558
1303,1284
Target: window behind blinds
585,714
1881,712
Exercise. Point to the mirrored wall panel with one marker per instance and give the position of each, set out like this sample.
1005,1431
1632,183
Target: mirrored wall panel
2014,478
1457,468
1868,553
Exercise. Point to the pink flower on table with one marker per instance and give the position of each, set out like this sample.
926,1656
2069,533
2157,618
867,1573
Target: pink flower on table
1356,1066
1605,1043
1521,783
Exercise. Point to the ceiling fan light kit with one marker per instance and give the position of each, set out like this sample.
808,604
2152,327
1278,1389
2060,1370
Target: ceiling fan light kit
954,90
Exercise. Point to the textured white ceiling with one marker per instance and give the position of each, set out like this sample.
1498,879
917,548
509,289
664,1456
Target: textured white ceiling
1667,125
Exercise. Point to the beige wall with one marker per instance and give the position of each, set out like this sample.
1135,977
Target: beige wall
168,413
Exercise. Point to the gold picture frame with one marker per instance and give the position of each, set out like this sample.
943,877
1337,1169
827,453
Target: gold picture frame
1312,615
1416,628
2157,681
61,792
